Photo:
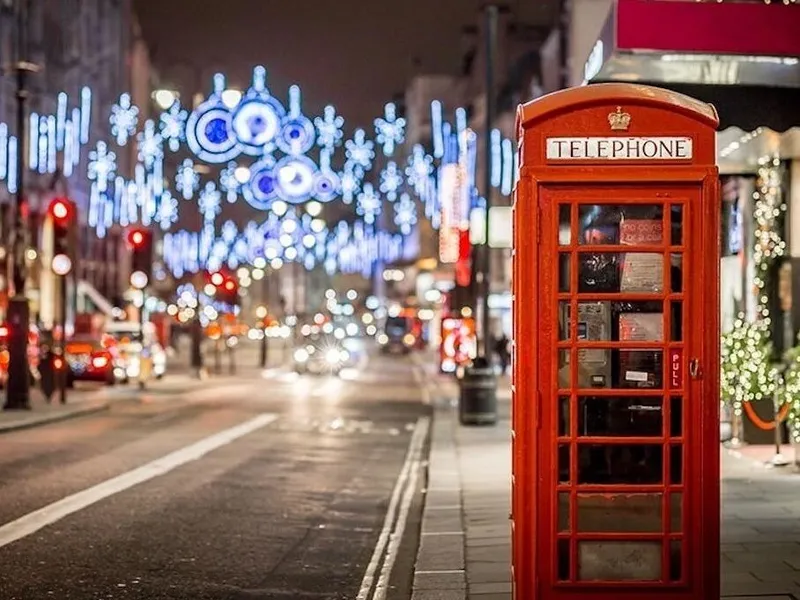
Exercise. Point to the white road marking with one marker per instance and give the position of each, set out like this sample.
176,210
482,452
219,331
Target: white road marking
412,458
38,519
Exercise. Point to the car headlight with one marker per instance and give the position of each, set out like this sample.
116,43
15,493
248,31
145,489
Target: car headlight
333,356
300,355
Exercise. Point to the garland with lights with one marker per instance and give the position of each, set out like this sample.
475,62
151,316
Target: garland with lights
769,246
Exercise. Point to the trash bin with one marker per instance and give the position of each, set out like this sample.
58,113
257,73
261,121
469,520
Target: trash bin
477,401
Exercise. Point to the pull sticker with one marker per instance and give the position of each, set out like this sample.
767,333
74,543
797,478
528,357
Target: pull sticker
675,368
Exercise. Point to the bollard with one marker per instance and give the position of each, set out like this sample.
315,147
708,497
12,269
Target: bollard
477,402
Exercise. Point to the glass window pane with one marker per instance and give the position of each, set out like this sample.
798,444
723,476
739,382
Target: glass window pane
563,320
676,272
620,463
676,212
676,512
676,464
641,369
642,326
564,369
620,224
620,321
676,416
675,560
563,416
612,560
611,273
564,559
563,511
676,321
620,513
564,225
626,416
563,463
563,272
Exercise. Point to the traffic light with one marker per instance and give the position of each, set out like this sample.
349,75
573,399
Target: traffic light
62,216
226,289
140,244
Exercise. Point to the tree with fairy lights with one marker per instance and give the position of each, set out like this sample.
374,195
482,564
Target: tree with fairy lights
790,390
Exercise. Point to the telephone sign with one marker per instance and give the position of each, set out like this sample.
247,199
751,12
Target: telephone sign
616,325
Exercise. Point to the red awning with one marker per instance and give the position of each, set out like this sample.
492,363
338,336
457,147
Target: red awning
742,57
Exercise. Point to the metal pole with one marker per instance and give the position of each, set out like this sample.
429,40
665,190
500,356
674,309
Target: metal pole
18,317
491,49
62,376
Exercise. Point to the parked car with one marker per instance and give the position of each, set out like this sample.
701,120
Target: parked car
126,335
91,359
33,353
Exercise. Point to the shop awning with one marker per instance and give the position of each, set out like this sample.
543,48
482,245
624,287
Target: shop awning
743,58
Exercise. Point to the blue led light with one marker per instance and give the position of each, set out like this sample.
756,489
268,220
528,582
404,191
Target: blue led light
405,214
149,142
124,119
368,203
61,119
436,129
186,179
262,189
297,131
359,151
391,180
420,166
12,165
349,183
390,130
329,128
85,114
209,202
508,167
228,182
295,178
495,158
33,143
172,124
101,166
3,150
209,128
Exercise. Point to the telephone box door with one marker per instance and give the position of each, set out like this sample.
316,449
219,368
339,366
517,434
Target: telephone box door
620,295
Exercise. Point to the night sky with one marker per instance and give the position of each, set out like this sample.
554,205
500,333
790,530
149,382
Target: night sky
355,54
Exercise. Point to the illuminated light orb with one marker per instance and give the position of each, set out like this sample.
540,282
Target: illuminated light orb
209,130
297,131
124,119
391,180
329,128
390,130
295,177
326,185
101,166
262,189
172,124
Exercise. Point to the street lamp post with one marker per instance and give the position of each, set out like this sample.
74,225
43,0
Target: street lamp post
18,314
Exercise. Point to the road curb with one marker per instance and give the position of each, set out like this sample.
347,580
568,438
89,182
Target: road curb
38,420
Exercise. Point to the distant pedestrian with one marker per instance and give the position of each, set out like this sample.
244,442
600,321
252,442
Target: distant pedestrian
503,354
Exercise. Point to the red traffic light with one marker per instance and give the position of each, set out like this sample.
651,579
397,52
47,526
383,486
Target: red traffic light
137,238
61,210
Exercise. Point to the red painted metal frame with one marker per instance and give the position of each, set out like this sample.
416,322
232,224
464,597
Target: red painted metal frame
541,188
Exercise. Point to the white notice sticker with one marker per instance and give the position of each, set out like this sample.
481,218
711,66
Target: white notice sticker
635,376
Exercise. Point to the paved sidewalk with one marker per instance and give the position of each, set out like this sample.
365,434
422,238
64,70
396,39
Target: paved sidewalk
79,403
465,549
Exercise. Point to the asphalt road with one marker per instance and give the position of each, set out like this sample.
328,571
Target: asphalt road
269,486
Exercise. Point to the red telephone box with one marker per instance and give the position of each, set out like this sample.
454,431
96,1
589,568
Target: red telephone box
616,374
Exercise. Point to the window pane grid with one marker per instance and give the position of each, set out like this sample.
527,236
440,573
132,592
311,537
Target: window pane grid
576,338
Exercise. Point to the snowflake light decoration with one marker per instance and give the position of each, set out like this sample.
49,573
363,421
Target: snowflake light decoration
229,232
329,128
420,166
359,151
390,130
167,210
124,119
209,202
101,166
173,125
349,182
228,182
405,214
368,203
149,141
391,180
187,181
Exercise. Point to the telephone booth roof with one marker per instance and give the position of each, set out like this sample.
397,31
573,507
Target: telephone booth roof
575,98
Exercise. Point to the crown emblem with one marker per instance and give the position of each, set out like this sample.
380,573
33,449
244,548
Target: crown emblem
619,120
